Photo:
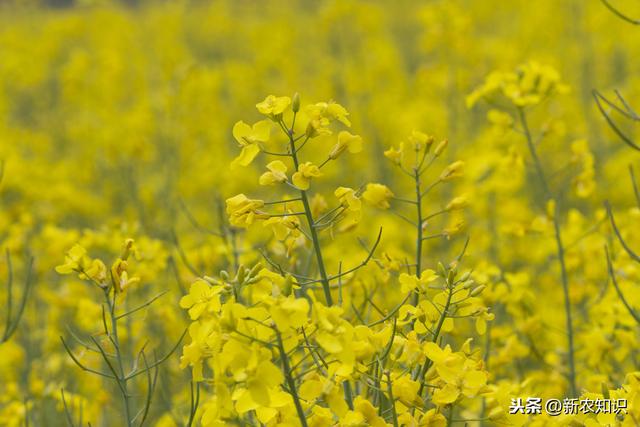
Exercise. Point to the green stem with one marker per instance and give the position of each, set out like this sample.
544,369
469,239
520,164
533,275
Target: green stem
116,343
324,278
391,400
436,334
560,249
419,239
290,382
312,227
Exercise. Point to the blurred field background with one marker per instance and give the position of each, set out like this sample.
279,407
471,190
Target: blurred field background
116,116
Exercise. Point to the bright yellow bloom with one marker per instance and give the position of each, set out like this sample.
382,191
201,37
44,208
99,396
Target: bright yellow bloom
454,170
74,261
352,206
276,174
322,114
377,195
306,171
202,298
346,141
363,414
273,106
456,203
250,139
420,141
395,154
410,282
528,85
284,226
329,110
289,312
459,375
243,211
97,271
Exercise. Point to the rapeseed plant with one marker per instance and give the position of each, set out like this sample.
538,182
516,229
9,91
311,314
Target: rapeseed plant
325,263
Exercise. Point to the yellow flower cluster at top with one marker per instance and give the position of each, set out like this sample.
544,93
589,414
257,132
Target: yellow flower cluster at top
443,221
279,345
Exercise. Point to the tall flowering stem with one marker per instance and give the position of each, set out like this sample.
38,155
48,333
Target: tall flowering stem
309,216
560,248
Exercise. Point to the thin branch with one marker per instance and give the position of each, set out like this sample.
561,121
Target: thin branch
146,304
626,247
597,96
620,14
612,274
84,368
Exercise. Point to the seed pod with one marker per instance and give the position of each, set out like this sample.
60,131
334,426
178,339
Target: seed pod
287,286
477,291
295,104
452,275
441,270
241,274
255,269
440,147
605,391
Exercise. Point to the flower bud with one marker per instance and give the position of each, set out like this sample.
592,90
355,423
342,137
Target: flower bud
295,103
457,203
440,147
126,250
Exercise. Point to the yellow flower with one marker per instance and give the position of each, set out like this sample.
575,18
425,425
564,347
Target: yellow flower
202,298
283,226
528,85
457,203
419,140
410,282
97,271
273,106
74,261
306,171
289,312
352,205
346,141
275,175
250,138
432,418
322,114
458,374
395,154
243,211
205,339
405,389
454,170
329,110
120,276
377,195
363,414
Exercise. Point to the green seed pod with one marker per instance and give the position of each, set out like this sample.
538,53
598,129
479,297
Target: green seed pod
295,104
452,275
287,286
441,270
477,291
241,274
255,269
605,391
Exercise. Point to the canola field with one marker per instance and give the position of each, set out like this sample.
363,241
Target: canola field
319,213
